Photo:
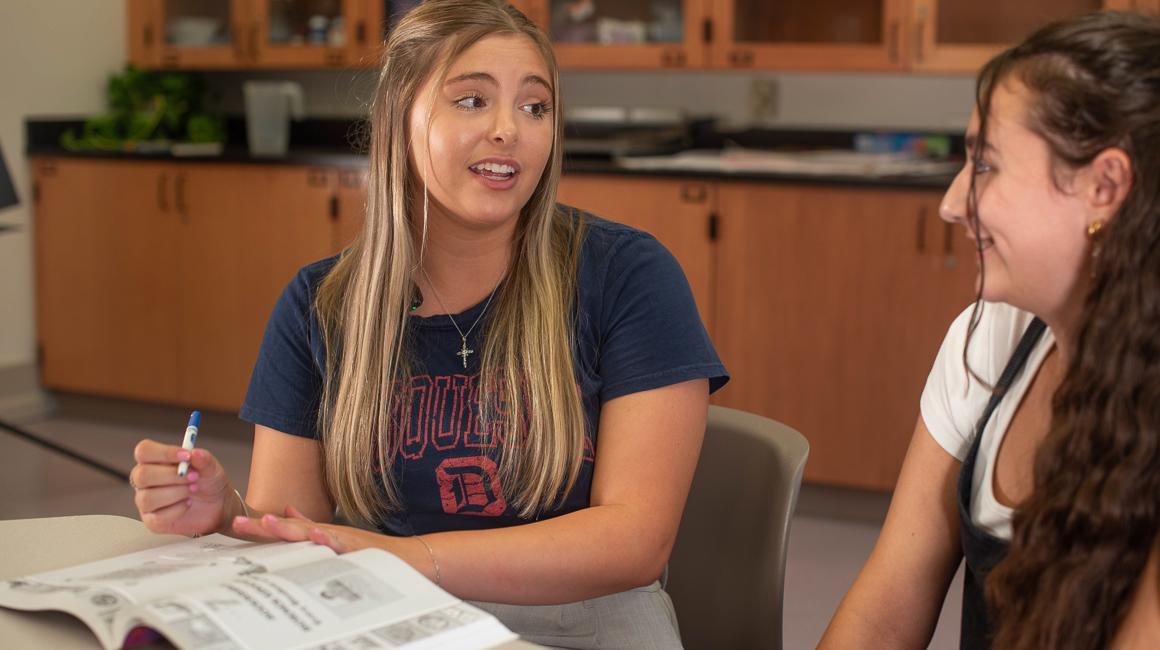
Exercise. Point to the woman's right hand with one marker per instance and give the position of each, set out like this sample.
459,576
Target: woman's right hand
197,503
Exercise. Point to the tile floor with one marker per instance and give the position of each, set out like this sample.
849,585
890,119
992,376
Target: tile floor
832,533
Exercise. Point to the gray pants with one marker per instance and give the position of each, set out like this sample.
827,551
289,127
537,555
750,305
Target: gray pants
641,618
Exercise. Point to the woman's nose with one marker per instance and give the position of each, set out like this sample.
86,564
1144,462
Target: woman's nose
504,131
953,208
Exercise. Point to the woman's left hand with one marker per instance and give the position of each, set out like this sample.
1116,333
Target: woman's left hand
294,526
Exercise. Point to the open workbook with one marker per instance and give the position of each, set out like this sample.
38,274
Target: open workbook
220,593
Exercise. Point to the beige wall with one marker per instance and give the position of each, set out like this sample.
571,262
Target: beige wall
54,58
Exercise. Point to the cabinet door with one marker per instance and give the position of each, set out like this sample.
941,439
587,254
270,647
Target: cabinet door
809,34
107,282
350,194
831,304
676,212
247,230
202,34
308,33
623,34
962,35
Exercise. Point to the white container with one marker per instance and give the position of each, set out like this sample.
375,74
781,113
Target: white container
270,105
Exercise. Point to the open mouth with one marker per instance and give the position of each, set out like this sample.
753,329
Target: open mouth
494,171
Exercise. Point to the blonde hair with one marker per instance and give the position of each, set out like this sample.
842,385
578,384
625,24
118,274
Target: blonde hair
362,304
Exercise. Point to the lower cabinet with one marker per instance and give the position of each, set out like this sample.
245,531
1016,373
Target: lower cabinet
826,303
831,304
155,280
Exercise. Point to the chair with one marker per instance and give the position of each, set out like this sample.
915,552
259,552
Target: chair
727,567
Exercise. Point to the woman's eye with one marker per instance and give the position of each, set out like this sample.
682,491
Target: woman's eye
470,102
538,110
982,167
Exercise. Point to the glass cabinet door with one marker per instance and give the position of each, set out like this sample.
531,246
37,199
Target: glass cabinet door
199,33
624,34
809,34
961,35
309,33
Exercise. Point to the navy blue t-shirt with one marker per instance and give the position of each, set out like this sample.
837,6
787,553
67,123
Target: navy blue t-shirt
637,329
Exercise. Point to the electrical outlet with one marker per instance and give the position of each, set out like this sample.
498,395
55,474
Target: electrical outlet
762,99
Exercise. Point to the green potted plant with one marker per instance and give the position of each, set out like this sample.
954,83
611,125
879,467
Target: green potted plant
151,111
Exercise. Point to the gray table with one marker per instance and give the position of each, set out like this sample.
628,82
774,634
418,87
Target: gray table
30,546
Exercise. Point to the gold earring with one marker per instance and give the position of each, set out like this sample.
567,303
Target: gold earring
1094,229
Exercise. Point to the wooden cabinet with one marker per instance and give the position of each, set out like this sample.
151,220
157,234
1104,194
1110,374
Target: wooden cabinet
890,35
810,34
107,243
246,229
826,303
228,34
155,280
623,34
831,304
961,35
678,213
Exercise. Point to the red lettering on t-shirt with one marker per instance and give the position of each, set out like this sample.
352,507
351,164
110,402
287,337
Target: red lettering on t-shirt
470,486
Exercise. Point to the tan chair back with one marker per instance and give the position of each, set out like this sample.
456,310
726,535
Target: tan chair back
727,568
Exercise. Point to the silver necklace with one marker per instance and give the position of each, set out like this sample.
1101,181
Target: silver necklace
464,351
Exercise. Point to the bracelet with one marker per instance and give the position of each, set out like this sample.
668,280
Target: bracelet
244,508
433,560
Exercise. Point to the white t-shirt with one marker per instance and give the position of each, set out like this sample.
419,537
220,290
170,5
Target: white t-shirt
953,401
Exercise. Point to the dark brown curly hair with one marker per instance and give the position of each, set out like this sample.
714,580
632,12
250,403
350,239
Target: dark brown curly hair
1081,540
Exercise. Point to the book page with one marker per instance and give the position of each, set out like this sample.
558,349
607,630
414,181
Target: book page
98,591
365,599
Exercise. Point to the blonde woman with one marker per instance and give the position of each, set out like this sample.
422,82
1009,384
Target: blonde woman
507,394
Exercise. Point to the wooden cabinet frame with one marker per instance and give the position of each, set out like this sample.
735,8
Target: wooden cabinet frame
249,46
929,55
890,54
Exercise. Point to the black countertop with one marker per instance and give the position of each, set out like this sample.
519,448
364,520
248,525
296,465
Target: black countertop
341,143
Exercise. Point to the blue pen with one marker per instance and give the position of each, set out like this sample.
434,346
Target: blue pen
190,440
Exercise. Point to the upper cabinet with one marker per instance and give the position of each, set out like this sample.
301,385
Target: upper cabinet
225,34
624,34
809,34
961,35
887,35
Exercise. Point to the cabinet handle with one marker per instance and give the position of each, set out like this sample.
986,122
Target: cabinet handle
949,259
162,192
47,168
170,59
360,33
919,35
895,28
680,57
920,240
147,37
238,37
179,198
254,41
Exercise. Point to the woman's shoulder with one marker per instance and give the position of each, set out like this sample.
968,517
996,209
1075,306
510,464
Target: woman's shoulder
305,282
609,244
998,331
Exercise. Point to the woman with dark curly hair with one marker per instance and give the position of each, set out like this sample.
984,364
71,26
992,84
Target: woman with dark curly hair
1037,454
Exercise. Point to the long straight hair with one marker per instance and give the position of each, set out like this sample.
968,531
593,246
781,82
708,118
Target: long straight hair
1081,539
528,403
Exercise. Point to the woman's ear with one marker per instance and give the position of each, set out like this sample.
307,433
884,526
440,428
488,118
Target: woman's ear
1110,176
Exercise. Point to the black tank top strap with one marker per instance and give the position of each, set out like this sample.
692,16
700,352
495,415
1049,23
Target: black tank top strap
982,550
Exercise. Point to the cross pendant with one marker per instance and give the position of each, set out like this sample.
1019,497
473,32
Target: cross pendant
464,352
